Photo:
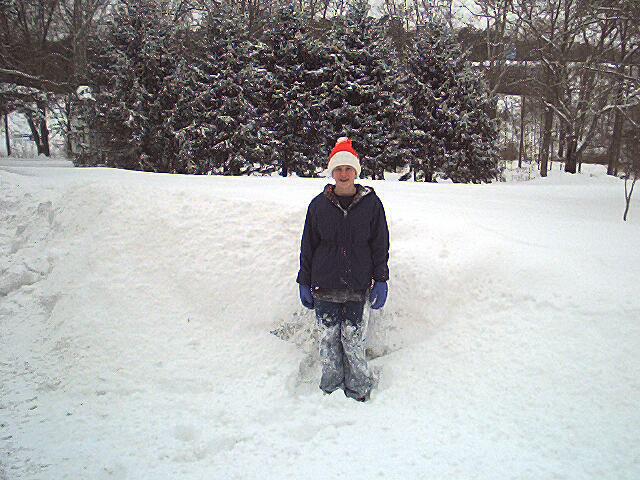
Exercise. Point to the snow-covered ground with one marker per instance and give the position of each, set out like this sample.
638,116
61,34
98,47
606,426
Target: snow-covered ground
136,313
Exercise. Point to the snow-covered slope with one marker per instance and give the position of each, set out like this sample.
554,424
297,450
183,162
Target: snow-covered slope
136,313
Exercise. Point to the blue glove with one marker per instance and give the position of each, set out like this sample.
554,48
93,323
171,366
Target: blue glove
305,296
378,295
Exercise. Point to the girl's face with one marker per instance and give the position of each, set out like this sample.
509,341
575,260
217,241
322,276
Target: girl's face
344,175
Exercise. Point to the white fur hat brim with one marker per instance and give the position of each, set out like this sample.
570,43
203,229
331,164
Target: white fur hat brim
344,159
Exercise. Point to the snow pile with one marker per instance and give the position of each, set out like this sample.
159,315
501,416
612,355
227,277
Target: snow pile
136,313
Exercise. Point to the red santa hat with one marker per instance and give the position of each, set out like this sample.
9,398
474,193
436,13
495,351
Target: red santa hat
343,154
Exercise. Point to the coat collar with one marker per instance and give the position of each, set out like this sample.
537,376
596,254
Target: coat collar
361,192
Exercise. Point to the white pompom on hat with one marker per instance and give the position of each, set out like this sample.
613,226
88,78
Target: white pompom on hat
343,154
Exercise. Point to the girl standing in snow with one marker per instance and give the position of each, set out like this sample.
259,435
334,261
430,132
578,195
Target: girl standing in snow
343,260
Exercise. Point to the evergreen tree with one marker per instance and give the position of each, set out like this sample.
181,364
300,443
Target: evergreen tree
215,118
451,132
363,99
292,61
133,88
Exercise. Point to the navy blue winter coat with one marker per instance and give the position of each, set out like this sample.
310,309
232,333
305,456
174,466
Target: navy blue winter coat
344,249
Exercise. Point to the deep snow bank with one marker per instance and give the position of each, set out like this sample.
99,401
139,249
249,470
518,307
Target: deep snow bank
136,312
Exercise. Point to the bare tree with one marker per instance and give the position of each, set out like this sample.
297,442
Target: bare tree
77,22
626,14
630,152
413,13
499,36
631,177
573,38
43,51
28,42
631,163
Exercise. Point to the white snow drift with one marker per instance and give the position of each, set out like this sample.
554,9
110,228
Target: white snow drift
137,311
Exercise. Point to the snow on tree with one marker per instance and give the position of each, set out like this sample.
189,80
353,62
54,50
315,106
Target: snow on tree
292,61
450,132
216,100
134,88
214,118
361,99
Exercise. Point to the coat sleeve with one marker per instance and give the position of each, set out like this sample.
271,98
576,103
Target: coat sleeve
379,244
308,244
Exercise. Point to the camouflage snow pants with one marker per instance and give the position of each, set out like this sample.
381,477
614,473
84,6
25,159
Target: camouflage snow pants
342,349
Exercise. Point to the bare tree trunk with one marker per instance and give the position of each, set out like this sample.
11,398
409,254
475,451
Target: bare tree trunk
512,121
69,125
44,130
429,176
618,122
6,133
79,42
39,130
561,141
579,160
325,9
535,143
627,195
546,141
35,132
616,141
570,157
521,149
